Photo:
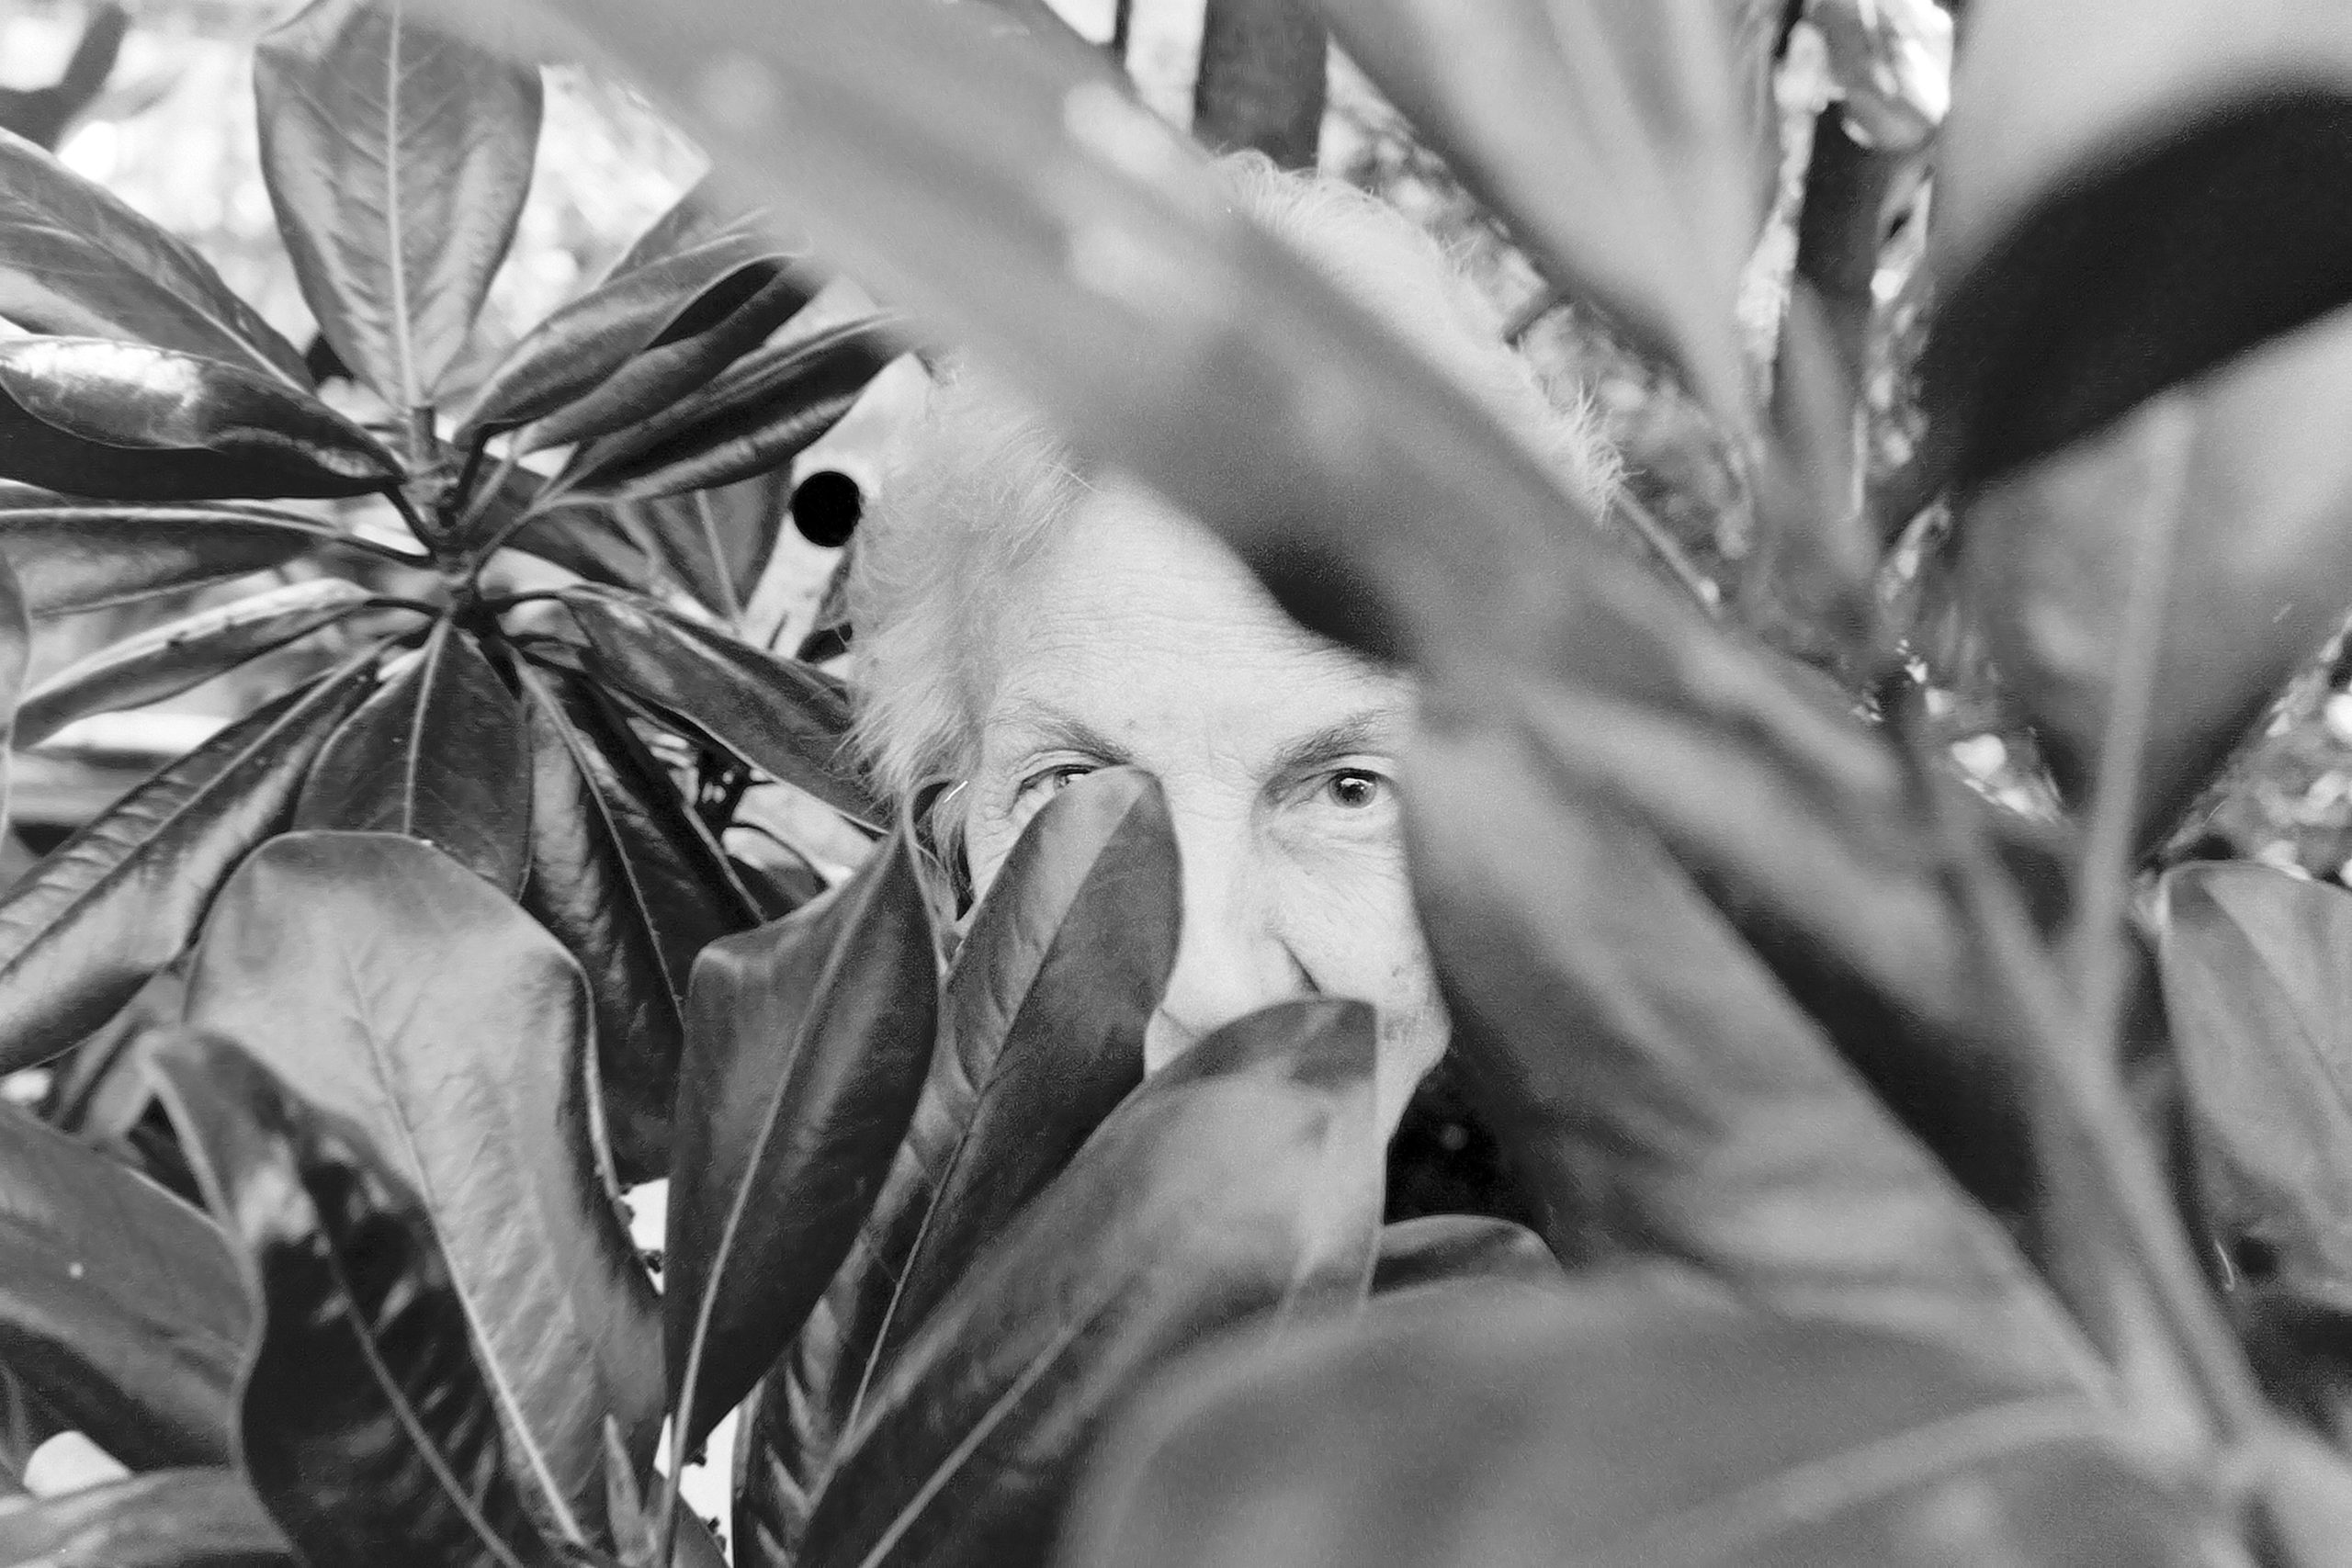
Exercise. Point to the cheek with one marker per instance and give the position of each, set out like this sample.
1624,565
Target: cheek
1350,923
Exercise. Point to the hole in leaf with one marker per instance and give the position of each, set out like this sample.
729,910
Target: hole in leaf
826,507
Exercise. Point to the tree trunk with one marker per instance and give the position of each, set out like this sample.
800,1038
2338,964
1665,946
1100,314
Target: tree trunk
1262,80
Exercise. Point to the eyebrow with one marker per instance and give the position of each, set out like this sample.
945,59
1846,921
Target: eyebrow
1362,731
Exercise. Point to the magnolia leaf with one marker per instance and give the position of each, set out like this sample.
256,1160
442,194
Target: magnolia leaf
1660,1091
806,1041
77,262
95,417
169,1518
397,158
2257,976
1041,1037
70,556
626,877
85,929
365,1426
387,985
169,660
1462,1249
1630,1418
1627,142
1239,1184
714,543
639,342
787,719
437,755
119,1308
2247,472
2128,192
758,414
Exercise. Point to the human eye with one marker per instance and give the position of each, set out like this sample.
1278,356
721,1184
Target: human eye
1051,781
1355,789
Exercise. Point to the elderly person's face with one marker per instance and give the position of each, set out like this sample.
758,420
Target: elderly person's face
1138,638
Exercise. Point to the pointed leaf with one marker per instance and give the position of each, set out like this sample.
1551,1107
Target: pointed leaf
1463,1249
639,341
626,876
438,755
1630,1419
387,985
169,660
85,929
715,543
785,718
171,1519
1053,989
365,1426
94,417
71,557
397,158
120,1307
758,414
1241,1183
77,262
1660,1091
2257,976
1622,140
2252,477
1041,1037
806,1041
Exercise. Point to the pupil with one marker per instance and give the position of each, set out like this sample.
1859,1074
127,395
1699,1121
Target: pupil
1353,789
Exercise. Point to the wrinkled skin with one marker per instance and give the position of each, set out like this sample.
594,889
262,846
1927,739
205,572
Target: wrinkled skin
1135,638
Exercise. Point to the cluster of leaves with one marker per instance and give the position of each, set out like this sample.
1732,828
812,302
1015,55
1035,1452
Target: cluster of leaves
1852,1248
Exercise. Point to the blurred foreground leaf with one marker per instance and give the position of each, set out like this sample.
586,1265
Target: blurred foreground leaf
1632,1420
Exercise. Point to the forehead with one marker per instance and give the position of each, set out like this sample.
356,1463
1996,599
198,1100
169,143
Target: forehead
1136,624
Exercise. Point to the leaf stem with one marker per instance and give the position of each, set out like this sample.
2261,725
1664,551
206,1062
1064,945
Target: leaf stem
1661,544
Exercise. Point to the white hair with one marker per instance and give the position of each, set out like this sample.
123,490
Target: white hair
986,482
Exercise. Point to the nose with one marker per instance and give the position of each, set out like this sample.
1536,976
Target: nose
1231,957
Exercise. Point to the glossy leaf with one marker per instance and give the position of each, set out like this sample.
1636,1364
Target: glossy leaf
77,262
806,1041
366,1427
1632,1420
1239,1184
2257,976
170,1519
1053,989
120,1309
639,342
71,557
169,660
439,755
397,158
2128,192
1041,1037
756,415
1659,1091
714,543
2252,480
785,718
626,877
95,417
1622,140
1469,1250
15,656
387,985
86,928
